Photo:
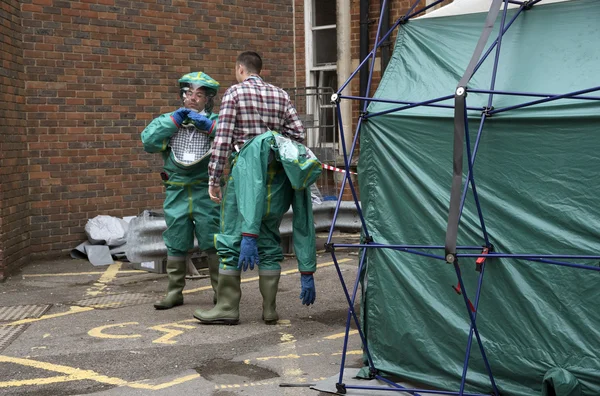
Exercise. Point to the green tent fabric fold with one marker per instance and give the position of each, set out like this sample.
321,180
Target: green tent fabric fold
538,176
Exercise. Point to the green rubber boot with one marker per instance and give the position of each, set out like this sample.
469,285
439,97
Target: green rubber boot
229,294
176,272
213,271
268,281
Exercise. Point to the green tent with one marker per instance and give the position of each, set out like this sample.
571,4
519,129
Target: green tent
537,174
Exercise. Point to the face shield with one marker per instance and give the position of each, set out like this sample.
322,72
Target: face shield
197,97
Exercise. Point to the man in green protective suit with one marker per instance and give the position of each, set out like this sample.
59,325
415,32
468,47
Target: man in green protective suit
184,139
258,193
270,173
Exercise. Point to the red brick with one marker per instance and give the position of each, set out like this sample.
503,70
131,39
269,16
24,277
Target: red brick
86,61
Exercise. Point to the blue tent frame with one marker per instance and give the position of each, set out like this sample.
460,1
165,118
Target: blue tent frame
462,140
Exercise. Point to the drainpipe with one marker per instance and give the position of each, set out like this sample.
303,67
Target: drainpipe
386,46
344,66
364,47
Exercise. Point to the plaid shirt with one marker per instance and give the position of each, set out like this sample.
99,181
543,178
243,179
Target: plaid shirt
249,109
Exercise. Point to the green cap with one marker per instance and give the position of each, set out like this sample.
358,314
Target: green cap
200,79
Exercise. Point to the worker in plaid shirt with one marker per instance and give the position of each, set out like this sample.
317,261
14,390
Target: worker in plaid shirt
250,109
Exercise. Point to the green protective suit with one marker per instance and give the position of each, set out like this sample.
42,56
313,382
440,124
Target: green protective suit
187,206
268,175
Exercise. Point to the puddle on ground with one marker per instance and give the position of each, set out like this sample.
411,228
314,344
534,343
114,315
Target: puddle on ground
226,372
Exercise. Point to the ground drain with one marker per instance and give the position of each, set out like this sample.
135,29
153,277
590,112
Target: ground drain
116,300
18,312
10,333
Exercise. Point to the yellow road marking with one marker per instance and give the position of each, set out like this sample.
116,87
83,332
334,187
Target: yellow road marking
98,331
340,335
354,352
233,386
75,374
72,310
290,368
78,273
171,333
108,276
286,338
197,289
37,381
176,381
255,278
290,356
108,305
296,356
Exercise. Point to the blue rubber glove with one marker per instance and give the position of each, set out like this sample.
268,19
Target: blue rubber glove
309,293
248,253
179,115
201,122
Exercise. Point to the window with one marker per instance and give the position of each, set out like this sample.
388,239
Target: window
321,72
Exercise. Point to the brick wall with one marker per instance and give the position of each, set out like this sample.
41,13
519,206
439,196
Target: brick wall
97,71
14,205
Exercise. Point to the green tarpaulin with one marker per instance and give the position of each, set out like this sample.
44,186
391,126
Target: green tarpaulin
538,178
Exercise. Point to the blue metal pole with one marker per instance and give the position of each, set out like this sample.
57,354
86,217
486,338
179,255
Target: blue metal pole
489,50
470,338
396,248
381,41
372,69
415,4
406,103
497,57
339,200
410,106
532,94
535,256
472,160
423,9
550,99
350,312
348,178
344,85
340,194
395,385
424,391
563,263
540,260
406,17
474,328
472,180
383,246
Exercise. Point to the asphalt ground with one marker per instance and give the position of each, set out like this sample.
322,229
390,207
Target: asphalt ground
69,328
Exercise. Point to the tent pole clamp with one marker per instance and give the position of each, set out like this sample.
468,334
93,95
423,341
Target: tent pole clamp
487,111
402,21
341,388
481,260
329,248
